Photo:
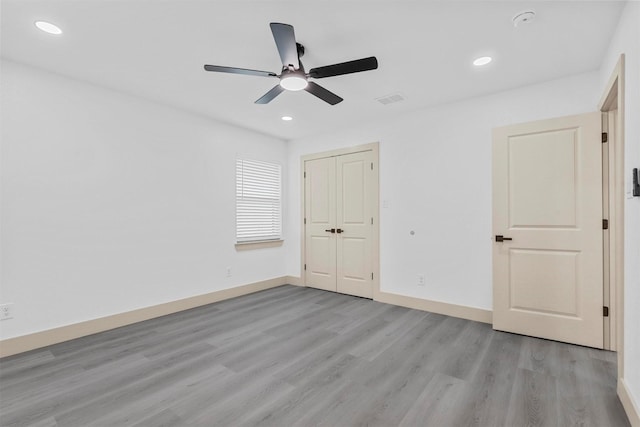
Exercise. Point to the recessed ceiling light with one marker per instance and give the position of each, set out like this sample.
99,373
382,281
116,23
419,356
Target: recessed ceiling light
484,60
48,27
287,118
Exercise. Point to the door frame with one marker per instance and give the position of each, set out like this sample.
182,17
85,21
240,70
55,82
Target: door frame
374,147
612,107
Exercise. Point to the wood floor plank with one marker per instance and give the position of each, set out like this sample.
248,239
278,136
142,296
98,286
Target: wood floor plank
20,363
31,395
401,386
114,399
325,355
383,369
388,335
271,351
239,401
95,386
340,408
581,390
434,406
287,313
304,398
465,354
47,422
292,356
143,407
534,401
491,388
165,418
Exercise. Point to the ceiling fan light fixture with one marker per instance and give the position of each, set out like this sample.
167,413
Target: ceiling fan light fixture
293,82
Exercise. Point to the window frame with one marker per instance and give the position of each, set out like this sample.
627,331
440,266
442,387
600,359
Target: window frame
264,173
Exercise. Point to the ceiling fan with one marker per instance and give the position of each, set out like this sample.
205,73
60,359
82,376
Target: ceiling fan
293,76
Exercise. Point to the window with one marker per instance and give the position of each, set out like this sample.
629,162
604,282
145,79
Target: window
258,204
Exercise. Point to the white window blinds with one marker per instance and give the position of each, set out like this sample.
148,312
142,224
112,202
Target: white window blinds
258,203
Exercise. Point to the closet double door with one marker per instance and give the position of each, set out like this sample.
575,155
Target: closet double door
339,216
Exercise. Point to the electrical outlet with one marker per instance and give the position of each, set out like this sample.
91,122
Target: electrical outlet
228,271
421,280
6,311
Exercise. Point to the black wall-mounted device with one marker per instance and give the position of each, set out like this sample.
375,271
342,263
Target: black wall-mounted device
636,183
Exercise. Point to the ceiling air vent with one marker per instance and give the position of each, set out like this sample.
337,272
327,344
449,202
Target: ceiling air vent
390,99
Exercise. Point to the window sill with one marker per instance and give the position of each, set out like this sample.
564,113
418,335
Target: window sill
246,246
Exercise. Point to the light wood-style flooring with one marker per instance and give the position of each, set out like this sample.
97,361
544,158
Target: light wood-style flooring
293,356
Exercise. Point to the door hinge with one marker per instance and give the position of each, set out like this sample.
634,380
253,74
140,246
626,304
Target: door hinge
371,165
305,267
305,220
605,224
605,137
371,220
605,311
305,174
371,276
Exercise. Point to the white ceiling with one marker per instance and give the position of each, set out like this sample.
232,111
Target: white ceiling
157,49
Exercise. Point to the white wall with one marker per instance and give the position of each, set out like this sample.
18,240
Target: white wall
627,41
112,203
435,173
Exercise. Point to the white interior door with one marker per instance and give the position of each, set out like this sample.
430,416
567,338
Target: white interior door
339,223
354,216
547,200
320,218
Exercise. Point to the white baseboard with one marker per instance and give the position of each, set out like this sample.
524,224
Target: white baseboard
630,406
460,311
292,280
28,342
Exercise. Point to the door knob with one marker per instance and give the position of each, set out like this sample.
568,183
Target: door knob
331,230
500,238
339,230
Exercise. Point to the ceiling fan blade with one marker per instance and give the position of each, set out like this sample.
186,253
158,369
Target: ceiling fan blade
286,42
364,64
268,97
322,93
234,70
